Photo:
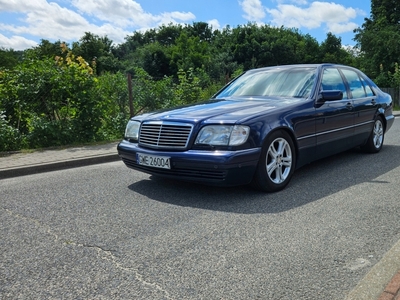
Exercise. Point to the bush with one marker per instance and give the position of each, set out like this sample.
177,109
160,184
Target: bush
112,95
10,137
46,133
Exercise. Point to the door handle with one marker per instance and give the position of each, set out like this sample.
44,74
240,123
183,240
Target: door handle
349,106
373,101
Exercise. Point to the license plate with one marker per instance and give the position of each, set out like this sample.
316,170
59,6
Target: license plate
162,162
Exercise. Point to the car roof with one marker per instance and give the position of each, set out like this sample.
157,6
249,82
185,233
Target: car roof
299,66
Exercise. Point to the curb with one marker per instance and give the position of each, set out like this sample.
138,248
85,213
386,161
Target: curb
59,165
375,285
392,290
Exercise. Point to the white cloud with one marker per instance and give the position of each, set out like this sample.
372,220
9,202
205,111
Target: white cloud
21,6
128,13
297,2
16,42
46,20
254,11
173,17
335,17
338,28
122,12
214,24
49,20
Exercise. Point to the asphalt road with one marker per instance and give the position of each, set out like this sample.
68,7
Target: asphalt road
108,232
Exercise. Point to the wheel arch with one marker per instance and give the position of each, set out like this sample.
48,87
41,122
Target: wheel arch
381,113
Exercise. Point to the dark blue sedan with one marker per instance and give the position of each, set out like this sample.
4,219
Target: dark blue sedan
262,126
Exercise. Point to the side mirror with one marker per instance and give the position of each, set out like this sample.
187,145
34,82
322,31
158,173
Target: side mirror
332,95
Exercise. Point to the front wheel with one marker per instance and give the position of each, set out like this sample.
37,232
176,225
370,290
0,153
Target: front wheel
375,141
277,162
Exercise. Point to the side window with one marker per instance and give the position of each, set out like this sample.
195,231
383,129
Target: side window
368,89
356,86
332,80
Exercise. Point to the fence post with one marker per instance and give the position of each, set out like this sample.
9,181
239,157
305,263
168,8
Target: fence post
131,109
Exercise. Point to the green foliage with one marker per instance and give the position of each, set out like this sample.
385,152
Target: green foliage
393,78
332,51
21,87
47,133
167,35
222,66
50,102
8,58
378,37
98,51
188,90
10,138
154,59
46,50
255,46
150,94
396,75
112,97
189,52
166,50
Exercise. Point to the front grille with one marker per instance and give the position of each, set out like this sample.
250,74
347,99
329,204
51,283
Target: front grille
165,135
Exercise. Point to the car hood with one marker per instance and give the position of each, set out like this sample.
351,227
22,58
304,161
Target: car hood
221,110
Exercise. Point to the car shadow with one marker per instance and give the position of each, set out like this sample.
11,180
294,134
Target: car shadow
309,183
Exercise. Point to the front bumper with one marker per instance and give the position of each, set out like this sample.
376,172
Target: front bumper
222,168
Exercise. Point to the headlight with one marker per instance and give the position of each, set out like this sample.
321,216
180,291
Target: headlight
132,130
223,135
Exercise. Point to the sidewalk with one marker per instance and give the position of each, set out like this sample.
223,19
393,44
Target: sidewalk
22,163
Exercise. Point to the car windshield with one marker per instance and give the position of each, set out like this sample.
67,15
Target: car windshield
294,82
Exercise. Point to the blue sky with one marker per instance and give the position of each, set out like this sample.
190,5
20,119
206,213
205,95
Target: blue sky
23,23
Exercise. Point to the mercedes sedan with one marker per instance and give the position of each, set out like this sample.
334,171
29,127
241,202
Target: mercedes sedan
261,126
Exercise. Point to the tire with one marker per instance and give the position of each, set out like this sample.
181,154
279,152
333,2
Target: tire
375,141
277,162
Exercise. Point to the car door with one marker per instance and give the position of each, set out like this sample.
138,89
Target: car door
334,119
364,105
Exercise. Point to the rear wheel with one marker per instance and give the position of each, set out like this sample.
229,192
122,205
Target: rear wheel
277,162
375,141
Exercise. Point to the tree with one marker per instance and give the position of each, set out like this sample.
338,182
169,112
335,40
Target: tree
201,30
256,46
151,94
122,51
8,58
378,37
332,51
189,52
97,51
167,35
222,63
46,49
154,59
